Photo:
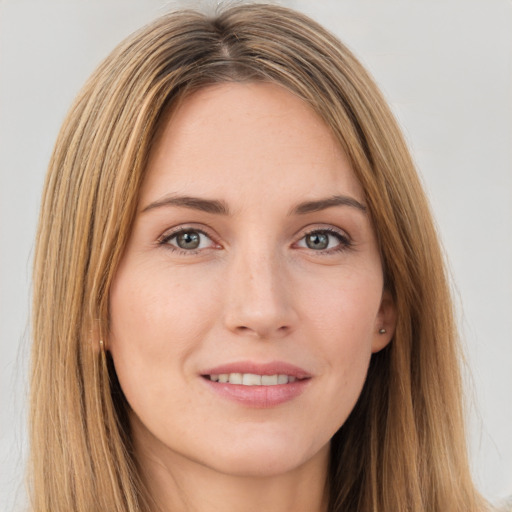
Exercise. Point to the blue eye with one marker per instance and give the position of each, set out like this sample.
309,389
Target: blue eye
188,240
324,240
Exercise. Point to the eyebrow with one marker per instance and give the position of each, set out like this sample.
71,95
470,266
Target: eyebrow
194,203
217,207
323,204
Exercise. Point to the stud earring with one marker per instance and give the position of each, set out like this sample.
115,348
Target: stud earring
382,331
102,346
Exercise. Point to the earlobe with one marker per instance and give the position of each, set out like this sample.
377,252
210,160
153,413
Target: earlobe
96,339
385,324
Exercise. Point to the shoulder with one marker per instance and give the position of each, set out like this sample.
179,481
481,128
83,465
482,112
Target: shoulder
505,505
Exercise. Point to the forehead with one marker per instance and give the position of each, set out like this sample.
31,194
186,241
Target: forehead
236,140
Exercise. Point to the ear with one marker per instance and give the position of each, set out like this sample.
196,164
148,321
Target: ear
385,322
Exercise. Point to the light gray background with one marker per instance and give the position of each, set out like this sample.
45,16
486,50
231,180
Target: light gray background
446,69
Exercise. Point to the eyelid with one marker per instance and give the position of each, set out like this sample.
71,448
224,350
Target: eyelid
345,240
170,233
312,228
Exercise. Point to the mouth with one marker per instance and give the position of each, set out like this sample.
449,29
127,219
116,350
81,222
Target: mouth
251,379
257,385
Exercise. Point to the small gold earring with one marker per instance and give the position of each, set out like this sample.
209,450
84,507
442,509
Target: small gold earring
102,345
382,331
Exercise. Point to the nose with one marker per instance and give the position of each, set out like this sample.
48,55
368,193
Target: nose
259,297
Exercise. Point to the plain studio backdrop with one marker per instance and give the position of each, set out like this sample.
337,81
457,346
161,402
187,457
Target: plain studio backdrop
446,69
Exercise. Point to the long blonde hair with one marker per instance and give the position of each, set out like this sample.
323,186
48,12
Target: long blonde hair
403,446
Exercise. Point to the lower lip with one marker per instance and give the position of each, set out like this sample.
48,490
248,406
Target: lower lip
260,397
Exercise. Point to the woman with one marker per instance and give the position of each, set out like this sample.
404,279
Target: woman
240,300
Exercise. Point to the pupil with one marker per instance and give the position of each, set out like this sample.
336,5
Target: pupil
188,240
317,241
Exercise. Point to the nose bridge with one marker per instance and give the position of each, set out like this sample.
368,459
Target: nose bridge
258,299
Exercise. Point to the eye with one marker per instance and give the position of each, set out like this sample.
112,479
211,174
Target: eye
188,240
324,240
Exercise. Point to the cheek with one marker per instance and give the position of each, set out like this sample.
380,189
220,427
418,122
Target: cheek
343,321
152,307
156,322
345,306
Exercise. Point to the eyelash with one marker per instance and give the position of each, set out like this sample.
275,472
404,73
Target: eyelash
344,241
167,237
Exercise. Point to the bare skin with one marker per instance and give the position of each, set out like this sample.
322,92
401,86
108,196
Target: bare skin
252,255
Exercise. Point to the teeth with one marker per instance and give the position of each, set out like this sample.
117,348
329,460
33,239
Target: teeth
269,380
235,378
251,379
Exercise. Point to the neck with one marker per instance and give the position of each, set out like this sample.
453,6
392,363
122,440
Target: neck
176,483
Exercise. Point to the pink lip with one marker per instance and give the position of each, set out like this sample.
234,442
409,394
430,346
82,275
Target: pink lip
273,368
260,397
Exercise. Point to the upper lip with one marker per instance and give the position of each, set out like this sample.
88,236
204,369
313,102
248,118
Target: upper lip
272,368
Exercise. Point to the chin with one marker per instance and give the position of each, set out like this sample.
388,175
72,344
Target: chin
257,458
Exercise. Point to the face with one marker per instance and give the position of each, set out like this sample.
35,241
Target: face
250,297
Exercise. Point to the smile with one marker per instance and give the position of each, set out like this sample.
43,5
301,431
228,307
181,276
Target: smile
252,379
257,385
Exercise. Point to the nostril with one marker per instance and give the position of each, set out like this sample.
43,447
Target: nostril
264,332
